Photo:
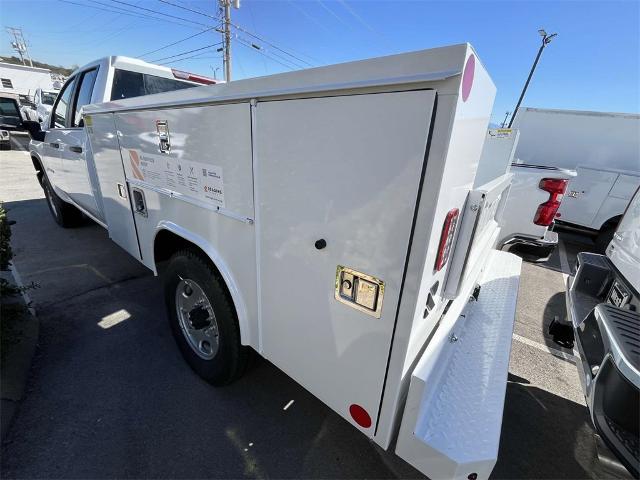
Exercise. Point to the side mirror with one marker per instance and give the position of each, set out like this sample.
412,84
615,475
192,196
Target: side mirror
35,132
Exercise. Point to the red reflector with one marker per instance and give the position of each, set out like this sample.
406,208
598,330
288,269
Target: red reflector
191,77
446,238
360,415
547,211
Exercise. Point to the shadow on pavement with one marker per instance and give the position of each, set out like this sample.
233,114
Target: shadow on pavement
544,436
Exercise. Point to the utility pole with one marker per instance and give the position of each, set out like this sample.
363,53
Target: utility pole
226,6
19,44
546,40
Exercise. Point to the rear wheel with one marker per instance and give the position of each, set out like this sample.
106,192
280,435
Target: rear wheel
604,238
203,319
65,214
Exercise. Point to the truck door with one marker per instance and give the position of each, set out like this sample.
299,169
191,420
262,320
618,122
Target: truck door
57,123
74,148
584,196
118,214
337,180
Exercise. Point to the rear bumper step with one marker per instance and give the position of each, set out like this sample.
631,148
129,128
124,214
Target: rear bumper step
453,415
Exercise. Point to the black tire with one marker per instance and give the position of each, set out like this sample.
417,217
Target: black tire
5,146
230,359
604,238
64,214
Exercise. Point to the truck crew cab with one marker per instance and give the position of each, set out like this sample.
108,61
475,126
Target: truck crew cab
328,220
61,154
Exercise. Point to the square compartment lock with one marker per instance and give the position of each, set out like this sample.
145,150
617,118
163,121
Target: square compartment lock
359,290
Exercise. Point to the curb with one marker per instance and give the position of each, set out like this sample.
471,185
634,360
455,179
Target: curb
18,356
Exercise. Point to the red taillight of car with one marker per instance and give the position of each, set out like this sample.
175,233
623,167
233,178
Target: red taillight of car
192,77
446,238
547,211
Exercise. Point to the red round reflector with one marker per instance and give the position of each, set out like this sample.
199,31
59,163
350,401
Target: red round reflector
467,77
360,416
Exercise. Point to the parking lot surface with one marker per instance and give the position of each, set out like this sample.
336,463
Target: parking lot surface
109,395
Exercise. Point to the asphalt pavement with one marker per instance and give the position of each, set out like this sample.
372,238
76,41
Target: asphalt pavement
110,396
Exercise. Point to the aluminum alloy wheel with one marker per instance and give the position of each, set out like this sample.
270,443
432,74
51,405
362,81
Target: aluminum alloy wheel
196,318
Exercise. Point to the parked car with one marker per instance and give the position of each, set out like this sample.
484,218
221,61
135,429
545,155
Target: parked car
595,201
10,118
44,101
602,147
603,307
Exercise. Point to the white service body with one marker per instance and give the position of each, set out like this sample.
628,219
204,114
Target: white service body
374,157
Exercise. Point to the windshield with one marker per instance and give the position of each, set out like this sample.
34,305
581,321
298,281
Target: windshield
48,98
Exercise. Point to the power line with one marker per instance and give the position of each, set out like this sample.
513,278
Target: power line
188,9
271,44
163,14
124,12
184,53
256,48
180,41
272,53
197,56
239,28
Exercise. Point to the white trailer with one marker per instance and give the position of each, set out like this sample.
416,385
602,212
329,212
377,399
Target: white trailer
327,219
24,80
603,147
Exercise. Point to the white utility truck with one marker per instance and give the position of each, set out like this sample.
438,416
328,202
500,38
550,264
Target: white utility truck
327,219
61,146
604,149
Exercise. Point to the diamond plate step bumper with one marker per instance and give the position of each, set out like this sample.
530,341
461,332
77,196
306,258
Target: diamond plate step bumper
453,414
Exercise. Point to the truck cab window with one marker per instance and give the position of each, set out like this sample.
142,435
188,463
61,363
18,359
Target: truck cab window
61,109
84,94
127,84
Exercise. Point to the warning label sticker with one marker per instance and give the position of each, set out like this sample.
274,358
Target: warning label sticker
194,179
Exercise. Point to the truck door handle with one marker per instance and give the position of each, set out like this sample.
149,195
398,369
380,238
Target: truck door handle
54,145
76,149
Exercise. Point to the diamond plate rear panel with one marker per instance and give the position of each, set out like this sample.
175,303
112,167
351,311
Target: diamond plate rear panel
454,409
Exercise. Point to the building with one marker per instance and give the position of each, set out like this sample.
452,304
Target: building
23,80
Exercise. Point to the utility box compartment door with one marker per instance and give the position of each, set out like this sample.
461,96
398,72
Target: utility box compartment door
337,180
118,215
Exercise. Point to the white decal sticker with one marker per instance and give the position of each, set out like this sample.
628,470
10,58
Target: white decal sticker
193,179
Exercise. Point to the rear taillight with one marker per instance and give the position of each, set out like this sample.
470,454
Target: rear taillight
547,211
446,238
191,77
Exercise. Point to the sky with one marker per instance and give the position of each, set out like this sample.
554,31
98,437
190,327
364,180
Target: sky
593,63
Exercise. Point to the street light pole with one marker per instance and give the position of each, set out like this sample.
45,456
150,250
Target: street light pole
546,40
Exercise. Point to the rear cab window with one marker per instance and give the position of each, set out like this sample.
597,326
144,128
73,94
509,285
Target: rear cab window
87,81
128,84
